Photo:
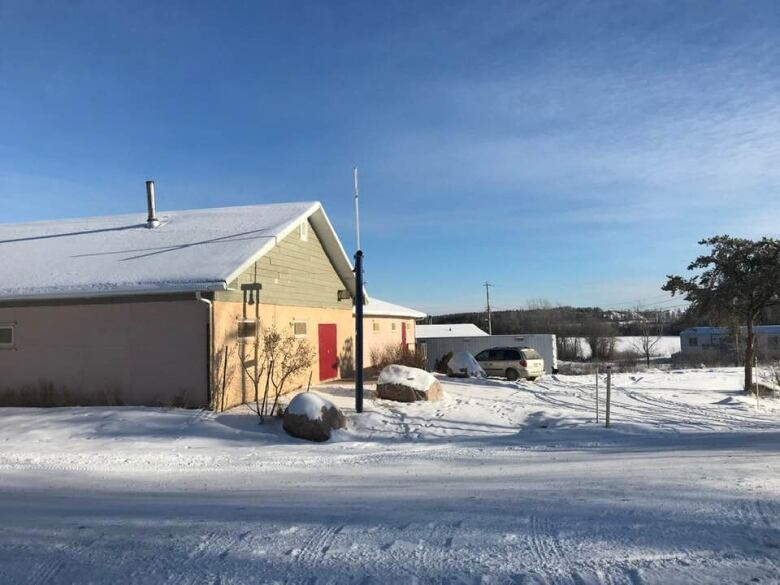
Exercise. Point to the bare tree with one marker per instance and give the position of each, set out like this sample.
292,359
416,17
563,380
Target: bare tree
649,336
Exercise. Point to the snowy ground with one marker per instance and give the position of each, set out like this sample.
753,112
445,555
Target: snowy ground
664,347
498,483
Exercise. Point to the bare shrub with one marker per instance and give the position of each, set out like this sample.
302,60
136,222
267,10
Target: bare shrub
396,354
601,348
223,371
274,360
440,365
771,373
568,348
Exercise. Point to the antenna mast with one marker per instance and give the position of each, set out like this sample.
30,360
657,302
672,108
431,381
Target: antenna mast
358,303
357,206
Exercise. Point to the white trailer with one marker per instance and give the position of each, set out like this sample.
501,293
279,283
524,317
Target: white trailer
436,347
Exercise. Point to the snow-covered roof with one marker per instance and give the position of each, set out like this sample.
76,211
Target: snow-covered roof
379,308
195,250
771,329
448,330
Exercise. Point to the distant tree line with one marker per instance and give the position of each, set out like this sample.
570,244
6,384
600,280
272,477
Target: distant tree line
597,326
567,321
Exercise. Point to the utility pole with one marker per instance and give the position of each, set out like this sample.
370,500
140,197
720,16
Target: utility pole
487,286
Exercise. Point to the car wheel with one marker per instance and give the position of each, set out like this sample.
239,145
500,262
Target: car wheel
511,375
532,378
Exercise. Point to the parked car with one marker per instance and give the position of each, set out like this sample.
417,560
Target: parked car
511,362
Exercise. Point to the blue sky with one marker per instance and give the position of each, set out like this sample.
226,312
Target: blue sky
571,151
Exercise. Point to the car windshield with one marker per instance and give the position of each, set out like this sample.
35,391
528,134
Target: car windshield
531,354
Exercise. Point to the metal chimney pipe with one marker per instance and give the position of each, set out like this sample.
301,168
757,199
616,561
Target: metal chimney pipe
151,219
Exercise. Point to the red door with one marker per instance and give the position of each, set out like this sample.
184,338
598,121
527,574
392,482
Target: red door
403,333
329,359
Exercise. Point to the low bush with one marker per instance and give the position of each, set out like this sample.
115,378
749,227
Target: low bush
396,354
46,394
440,365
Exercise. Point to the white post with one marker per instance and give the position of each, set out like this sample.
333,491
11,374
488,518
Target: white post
597,394
609,395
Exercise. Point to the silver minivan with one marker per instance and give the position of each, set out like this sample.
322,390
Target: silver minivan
511,362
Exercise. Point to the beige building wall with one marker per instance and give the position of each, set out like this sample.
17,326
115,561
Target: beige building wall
382,332
227,316
299,284
134,352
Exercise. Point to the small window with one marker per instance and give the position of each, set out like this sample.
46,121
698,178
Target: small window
247,329
6,336
304,231
482,356
375,326
774,341
693,341
300,329
392,326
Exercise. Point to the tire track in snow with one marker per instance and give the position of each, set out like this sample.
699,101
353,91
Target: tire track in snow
547,552
656,411
56,561
761,516
319,543
213,548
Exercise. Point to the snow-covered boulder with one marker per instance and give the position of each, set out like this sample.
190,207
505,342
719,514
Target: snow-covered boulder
463,365
405,384
764,388
310,416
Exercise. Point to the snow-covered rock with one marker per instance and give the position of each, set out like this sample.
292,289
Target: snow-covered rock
405,384
310,416
463,364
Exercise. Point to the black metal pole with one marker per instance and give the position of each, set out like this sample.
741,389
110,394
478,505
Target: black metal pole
359,331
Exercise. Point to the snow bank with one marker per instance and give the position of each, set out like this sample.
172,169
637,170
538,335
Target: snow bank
462,362
309,404
412,377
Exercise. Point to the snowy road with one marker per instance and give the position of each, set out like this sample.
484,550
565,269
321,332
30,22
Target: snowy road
498,483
